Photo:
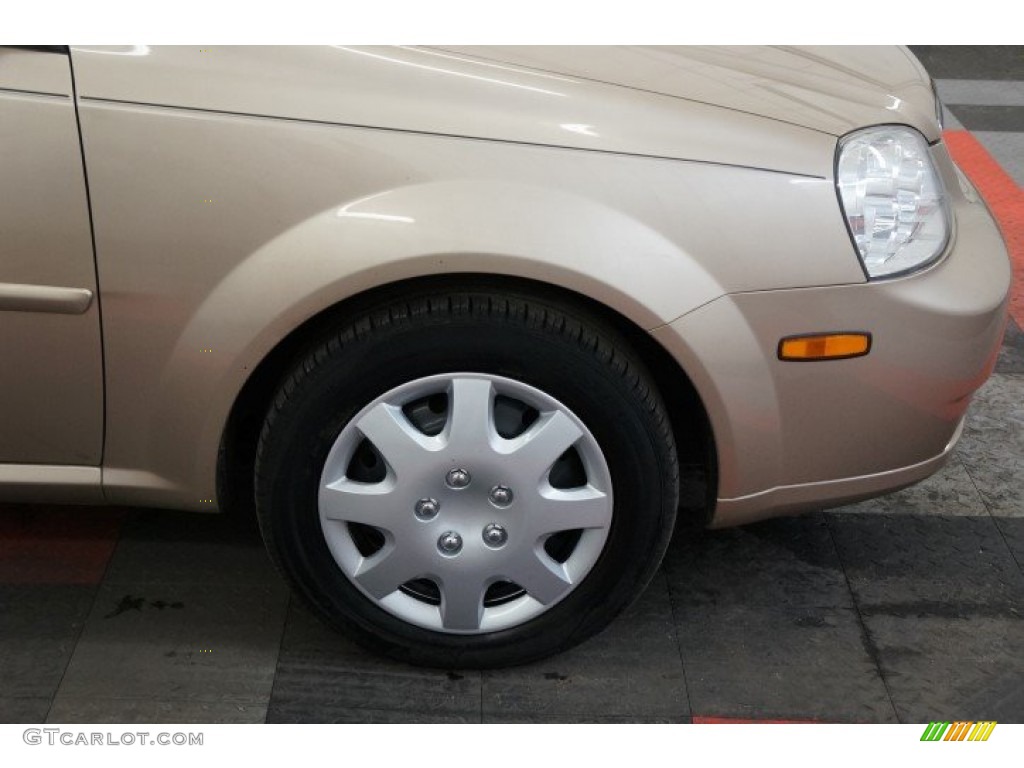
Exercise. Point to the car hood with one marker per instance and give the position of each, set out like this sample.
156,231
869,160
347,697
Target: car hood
832,89
758,108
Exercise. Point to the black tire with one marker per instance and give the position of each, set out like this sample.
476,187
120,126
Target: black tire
551,345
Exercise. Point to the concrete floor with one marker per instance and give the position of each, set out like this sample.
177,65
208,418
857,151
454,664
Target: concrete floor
907,608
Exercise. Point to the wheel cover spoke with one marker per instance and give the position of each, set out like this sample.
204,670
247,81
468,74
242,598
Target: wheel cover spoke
462,602
543,579
374,504
535,451
569,510
384,572
399,442
471,421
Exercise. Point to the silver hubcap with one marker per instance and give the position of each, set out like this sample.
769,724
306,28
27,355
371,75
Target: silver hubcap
499,530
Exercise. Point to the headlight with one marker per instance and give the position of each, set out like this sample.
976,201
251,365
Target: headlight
893,199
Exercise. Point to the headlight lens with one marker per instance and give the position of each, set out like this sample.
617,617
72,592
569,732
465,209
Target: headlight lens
893,199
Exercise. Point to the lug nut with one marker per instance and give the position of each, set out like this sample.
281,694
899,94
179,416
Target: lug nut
457,478
501,495
427,509
450,543
495,536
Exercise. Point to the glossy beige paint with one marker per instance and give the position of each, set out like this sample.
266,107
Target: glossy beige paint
792,435
51,380
33,72
238,192
330,211
829,88
416,90
51,484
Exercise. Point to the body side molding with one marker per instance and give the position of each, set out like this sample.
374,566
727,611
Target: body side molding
19,297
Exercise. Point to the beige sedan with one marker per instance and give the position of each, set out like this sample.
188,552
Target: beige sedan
463,326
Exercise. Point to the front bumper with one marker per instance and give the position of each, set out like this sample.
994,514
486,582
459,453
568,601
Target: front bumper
793,436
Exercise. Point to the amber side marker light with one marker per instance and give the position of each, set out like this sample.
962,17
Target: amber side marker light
824,346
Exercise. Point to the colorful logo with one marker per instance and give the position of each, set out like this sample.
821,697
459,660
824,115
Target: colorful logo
959,731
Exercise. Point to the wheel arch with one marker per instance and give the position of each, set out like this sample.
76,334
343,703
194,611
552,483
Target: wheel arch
237,448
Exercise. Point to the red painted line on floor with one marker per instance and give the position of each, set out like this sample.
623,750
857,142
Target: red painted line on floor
1005,199
43,545
699,720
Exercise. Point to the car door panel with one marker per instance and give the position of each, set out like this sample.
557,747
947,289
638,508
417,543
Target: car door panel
51,378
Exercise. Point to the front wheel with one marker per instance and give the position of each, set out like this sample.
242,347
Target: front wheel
468,480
